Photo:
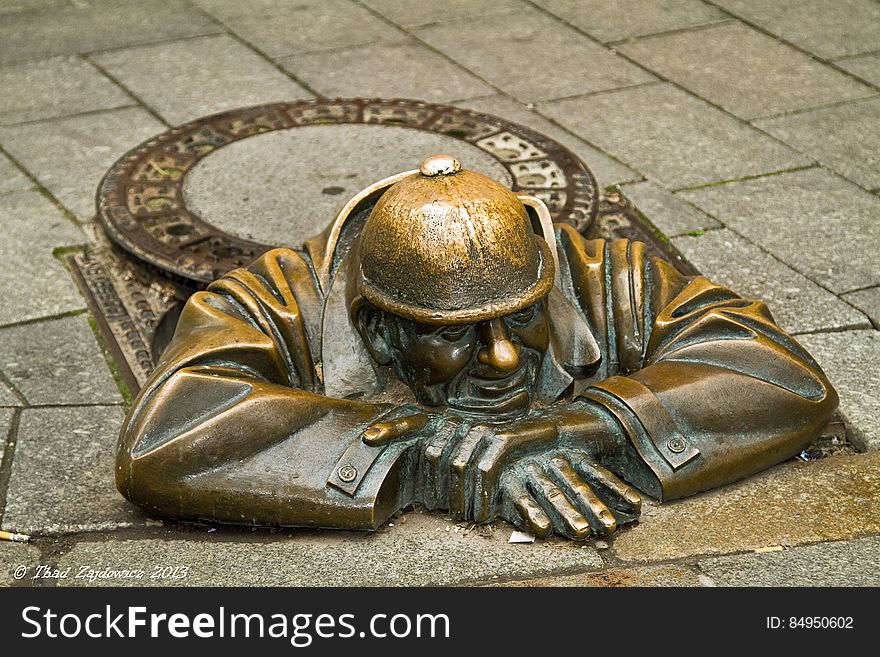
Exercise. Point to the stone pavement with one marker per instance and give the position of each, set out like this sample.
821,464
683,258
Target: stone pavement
746,131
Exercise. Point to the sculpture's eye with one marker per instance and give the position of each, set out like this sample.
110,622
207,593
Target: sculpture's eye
454,333
523,316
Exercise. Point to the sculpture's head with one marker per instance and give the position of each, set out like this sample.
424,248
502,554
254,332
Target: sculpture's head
452,285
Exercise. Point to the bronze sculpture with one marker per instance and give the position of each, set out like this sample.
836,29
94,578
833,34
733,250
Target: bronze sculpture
442,342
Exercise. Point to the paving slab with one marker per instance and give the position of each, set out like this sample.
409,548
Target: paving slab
55,87
12,557
827,29
185,80
63,473
669,213
407,70
794,503
6,415
868,301
57,362
417,552
797,303
246,188
624,19
851,360
844,138
69,156
411,14
818,223
7,399
744,71
649,576
32,282
11,178
61,27
280,27
843,563
867,67
559,60
672,137
607,170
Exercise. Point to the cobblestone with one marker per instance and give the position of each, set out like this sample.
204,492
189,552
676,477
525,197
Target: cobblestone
57,362
185,80
851,360
56,27
7,399
798,304
867,67
667,212
33,283
670,136
423,550
11,179
560,61
868,301
386,71
12,556
792,504
413,14
55,87
830,564
63,473
625,19
280,27
745,72
65,156
827,29
845,138
809,219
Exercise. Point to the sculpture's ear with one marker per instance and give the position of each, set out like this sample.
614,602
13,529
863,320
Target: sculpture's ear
372,325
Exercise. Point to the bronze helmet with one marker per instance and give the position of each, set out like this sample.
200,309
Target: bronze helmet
447,245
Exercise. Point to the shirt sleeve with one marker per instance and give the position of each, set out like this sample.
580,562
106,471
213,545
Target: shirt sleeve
232,425
706,386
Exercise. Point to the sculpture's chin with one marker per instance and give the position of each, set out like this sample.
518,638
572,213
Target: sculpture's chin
492,410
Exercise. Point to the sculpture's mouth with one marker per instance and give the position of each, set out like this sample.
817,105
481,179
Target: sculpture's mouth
497,388
477,394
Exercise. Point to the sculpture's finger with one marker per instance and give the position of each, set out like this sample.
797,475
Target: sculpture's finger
435,457
599,516
497,452
460,484
624,500
532,517
569,520
384,432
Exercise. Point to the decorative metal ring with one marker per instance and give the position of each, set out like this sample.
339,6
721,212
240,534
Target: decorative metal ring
142,208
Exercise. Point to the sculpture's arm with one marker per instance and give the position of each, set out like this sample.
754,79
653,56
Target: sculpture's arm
229,426
709,389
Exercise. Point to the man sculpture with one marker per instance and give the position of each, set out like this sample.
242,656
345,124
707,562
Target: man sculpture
451,347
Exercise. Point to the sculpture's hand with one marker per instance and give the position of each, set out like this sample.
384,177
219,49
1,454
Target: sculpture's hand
567,494
476,463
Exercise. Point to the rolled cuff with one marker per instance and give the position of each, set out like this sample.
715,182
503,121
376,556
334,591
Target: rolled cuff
651,430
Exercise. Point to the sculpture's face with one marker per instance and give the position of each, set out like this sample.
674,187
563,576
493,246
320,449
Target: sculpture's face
487,368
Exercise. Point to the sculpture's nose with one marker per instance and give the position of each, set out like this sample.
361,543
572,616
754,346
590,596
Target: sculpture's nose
498,352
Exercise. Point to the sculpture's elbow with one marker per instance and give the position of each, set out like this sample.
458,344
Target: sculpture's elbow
829,400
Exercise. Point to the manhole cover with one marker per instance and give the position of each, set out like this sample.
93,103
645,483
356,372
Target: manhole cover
213,194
